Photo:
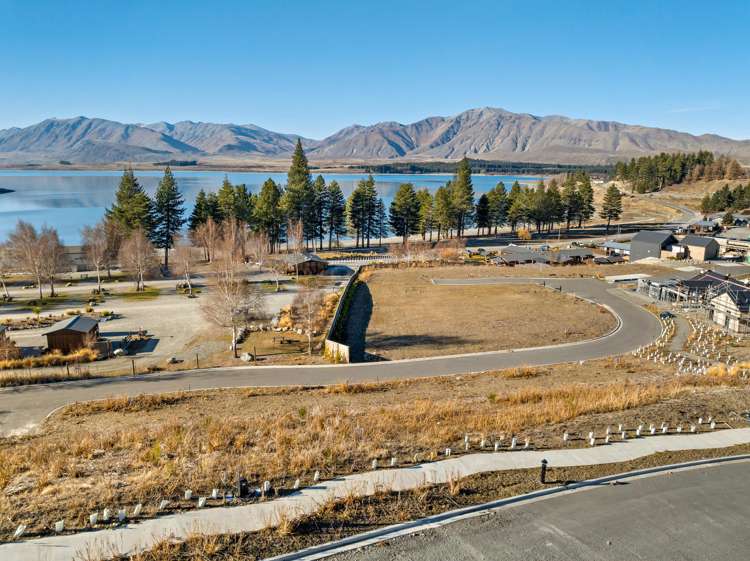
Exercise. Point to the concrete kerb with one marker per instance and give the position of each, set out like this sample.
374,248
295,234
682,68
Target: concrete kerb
388,533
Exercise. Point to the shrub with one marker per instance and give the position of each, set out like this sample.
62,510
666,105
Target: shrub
55,358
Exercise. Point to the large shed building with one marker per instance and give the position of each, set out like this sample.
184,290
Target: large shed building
653,243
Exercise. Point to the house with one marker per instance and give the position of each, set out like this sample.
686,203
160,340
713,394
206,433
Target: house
731,309
704,226
616,248
654,243
302,263
72,333
571,255
700,248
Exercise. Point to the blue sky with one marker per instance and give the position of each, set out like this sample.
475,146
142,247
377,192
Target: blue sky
312,67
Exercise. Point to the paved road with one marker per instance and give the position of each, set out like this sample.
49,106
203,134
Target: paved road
697,514
24,407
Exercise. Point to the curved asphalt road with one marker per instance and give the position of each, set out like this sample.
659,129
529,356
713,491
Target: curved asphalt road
24,407
696,514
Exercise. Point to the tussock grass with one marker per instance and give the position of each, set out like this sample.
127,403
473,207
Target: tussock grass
122,451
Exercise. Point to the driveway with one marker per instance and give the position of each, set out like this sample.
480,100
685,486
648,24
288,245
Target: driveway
687,515
24,407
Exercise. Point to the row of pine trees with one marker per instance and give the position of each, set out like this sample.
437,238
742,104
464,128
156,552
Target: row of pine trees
323,215
653,173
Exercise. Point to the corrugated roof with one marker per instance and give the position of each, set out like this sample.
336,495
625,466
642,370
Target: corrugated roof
699,241
299,258
653,236
616,245
80,324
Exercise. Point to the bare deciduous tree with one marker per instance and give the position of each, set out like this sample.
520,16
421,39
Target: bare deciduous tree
307,309
207,236
231,303
26,251
295,234
96,246
54,259
257,247
138,257
6,266
184,259
115,237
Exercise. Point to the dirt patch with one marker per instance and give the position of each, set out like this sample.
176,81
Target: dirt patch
407,316
123,451
351,516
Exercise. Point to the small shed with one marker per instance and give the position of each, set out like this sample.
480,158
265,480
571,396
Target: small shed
72,334
700,248
303,263
652,243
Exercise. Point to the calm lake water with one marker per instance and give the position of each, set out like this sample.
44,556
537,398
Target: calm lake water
68,200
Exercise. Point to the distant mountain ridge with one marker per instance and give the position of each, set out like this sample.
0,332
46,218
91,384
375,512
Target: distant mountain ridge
485,133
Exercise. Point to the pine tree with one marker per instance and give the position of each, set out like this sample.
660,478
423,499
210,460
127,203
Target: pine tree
132,207
444,214
225,199
463,196
483,213
381,221
200,211
355,205
268,216
169,208
571,201
585,201
318,214
404,212
516,205
369,208
611,206
498,202
336,212
298,187
426,211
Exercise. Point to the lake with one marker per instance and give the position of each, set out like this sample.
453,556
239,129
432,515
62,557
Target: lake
69,200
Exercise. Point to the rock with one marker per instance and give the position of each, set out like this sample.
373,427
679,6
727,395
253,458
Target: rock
299,331
246,357
172,360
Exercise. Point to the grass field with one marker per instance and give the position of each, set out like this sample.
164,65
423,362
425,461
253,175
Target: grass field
122,451
412,317
150,293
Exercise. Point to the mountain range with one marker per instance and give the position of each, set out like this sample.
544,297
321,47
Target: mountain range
485,133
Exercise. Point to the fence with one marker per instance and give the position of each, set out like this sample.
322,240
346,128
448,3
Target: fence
335,350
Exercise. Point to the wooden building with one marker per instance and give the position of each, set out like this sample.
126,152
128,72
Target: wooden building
72,334
700,248
303,263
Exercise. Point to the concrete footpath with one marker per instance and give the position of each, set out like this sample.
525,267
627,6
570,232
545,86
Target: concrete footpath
138,536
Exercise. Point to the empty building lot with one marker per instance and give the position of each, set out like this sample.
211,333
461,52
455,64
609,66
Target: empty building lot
404,314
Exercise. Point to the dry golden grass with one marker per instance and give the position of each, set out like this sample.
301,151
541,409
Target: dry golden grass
412,317
123,451
55,358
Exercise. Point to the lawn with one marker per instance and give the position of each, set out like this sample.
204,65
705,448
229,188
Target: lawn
412,317
122,451
150,293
